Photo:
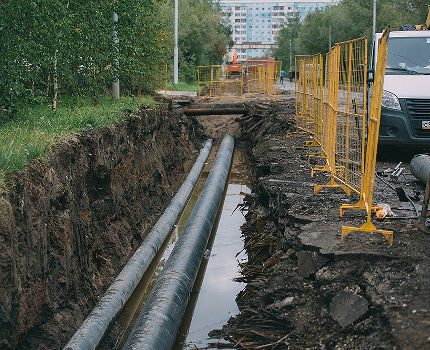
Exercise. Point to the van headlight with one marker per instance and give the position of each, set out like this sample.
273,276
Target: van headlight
389,100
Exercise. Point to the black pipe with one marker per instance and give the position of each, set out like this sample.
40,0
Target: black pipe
104,313
158,323
420,167
192,111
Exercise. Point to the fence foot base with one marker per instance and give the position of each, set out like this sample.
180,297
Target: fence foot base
322,168
332,184
312,143
298,132
360,205
367,227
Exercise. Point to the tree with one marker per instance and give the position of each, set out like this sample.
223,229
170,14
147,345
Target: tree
348,20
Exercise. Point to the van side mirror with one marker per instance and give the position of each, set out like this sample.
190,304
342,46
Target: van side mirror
370,76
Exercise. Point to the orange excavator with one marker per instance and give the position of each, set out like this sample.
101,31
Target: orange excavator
234,69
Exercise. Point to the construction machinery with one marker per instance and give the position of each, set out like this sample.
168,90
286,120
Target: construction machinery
233,70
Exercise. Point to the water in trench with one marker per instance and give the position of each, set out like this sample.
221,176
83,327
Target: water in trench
212,301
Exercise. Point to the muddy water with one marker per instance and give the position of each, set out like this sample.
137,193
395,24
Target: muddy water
213,297
212,302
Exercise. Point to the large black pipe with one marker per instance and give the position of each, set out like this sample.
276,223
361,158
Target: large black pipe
158,323
192,111
95,325
420,167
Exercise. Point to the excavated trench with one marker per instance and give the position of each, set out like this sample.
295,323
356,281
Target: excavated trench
69,223
275,275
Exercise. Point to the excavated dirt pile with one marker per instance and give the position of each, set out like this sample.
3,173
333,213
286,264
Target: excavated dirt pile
306,288
69,224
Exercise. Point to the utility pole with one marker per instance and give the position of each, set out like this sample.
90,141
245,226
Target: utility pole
176,51
329,38
291,53
115,83
374,18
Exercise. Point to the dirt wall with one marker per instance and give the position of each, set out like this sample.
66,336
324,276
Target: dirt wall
69,223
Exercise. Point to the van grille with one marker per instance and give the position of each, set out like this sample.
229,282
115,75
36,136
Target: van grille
418,108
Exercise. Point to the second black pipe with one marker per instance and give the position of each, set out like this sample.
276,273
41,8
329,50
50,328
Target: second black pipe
158,323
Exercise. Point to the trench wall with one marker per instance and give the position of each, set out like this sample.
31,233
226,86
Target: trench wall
69,223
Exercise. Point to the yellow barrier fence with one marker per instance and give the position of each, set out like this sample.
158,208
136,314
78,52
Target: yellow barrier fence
374,120
336,116
232,83
273,74
262,76
309,97
255,78
347,114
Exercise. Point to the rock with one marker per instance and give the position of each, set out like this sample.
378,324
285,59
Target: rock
346,308
280,304
309,262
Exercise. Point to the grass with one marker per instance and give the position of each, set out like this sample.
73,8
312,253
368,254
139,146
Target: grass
36,128
182,86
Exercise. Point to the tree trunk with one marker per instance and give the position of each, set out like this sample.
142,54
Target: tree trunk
55,78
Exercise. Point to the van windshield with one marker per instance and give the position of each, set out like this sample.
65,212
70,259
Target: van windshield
408,56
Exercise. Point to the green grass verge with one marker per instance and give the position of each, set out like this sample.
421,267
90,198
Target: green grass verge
181,86
36,128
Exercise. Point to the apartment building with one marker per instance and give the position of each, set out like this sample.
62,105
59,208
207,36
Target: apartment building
256,23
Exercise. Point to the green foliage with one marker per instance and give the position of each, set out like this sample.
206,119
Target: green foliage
348,20
203,36
36,128
78,34
183,87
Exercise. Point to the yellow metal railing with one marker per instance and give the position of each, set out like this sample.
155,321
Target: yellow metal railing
366,197
262,76
347,115
334,113
255,78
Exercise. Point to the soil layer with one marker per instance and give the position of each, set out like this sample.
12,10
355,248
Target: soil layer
307,289
70,223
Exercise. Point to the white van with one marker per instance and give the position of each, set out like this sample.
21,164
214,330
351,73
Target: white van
405,116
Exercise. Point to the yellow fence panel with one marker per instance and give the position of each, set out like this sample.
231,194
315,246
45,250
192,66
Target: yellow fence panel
216,83
372,145
300,93
233,83
347,113
334,112
309,96
262,76
351,113
255,78
203,80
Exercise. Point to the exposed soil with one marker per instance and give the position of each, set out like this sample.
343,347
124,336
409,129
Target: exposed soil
306,288
69,224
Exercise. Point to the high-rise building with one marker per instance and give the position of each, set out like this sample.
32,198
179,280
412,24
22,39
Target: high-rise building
256,23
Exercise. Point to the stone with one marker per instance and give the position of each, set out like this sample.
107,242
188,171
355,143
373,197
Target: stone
346,308
306,264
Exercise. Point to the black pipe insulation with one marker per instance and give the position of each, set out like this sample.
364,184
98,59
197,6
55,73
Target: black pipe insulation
192,111
160,319
111,303
420,167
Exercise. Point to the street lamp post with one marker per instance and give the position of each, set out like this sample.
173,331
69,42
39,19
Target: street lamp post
374,18
176,51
